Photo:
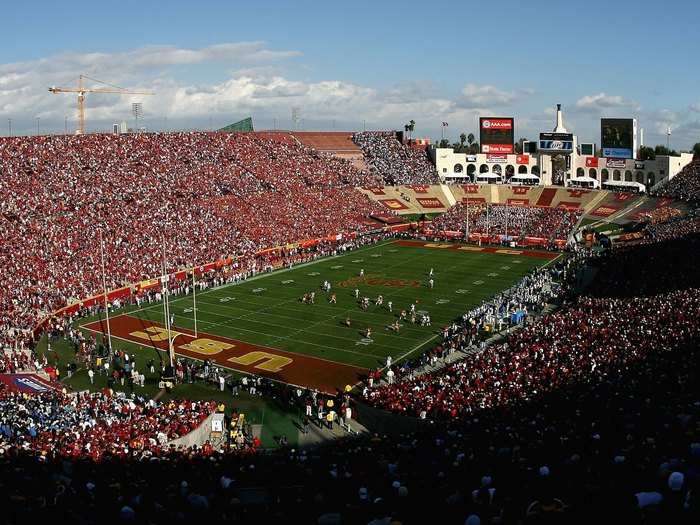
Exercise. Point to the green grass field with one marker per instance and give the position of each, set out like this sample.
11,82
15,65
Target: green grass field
266,310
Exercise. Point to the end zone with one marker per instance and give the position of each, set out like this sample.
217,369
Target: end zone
279,365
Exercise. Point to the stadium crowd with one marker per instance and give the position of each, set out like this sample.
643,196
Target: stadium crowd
685,185
394,162
586,415
94,424
622,449
513,221
203,196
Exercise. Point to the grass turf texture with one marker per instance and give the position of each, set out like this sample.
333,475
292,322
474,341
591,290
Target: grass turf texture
266,310
274,317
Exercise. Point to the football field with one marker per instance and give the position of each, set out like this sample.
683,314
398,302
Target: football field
261,325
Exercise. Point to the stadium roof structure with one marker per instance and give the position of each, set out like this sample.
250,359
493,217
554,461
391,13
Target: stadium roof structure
242,125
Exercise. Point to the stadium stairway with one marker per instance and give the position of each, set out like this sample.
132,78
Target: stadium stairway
547,196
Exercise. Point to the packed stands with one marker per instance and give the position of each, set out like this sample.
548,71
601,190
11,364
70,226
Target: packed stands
685,185
92,425
205,195
589,415
394,162
513,221
585,415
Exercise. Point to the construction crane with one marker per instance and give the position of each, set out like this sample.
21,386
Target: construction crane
81,90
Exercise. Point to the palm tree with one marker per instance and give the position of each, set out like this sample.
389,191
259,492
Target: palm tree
411,126
470,139
462,140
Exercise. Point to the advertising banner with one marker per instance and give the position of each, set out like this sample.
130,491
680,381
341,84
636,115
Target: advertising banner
496,134
615,163
561,142
591,162
522,159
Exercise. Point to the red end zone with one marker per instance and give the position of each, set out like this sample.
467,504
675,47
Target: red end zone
482,249
297,369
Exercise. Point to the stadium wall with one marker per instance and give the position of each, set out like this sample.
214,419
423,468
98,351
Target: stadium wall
458,166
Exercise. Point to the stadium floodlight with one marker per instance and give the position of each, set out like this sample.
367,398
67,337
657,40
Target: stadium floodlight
137,111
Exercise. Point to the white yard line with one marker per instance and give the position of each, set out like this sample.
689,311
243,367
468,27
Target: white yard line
399,359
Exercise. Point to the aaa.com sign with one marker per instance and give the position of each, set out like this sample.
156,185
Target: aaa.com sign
496,134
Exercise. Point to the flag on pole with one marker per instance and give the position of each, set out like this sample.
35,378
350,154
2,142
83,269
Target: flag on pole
445,124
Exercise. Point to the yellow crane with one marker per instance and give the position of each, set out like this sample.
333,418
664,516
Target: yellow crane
81,90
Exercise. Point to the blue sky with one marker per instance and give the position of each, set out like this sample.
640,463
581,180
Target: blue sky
211,63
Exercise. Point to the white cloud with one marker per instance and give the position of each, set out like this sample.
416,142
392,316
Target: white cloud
484,96
601,102
256,84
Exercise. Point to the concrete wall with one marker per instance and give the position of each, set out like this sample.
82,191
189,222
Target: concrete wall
457,166
197,437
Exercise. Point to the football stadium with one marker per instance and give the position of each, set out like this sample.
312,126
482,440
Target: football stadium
253,324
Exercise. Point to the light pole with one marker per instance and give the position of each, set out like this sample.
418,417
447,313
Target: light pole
9,127
65,124
38,120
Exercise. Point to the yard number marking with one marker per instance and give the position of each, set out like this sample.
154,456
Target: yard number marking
288,281
227,299
478,282
208,347
155,334
365,341
259,290
270,362
462,291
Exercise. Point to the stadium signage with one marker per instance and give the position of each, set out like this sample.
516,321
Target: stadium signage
615,163
618,137
558,142
471,158
500,159
497,123
639,165
591,162
522,159
496,134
